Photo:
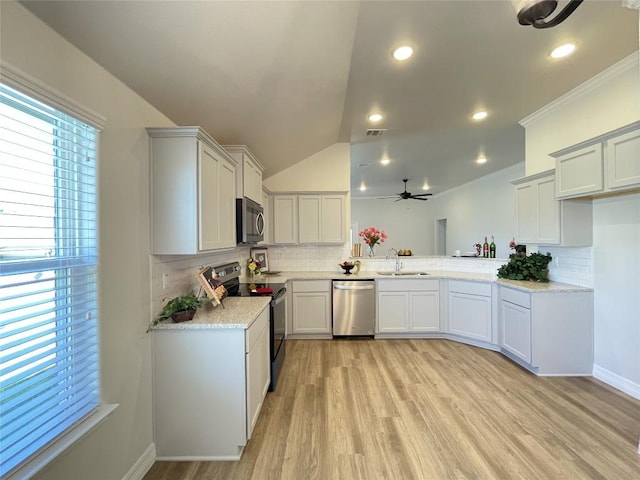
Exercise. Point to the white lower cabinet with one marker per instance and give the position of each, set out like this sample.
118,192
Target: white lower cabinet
311,307
208,389
548,333
515,335
408,306
470,310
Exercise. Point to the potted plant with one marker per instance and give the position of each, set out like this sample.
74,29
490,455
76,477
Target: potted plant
532,268
180,309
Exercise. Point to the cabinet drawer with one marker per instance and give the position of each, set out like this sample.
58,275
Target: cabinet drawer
253,332
408,285
472,288
515,296
311,286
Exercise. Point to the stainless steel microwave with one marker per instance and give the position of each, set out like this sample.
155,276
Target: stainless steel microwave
249,221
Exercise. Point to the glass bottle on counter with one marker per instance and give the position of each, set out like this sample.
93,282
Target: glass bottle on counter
492,248
485,248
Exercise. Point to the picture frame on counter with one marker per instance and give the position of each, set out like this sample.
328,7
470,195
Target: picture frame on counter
261,256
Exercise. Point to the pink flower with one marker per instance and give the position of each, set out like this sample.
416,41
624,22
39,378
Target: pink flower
373,236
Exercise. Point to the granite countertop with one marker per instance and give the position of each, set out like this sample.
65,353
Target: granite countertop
238,312
530,287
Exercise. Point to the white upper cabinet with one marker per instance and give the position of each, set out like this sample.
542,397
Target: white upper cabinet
542,219
623,161
605,164
313,219
321,219
285,219
249,173
192,192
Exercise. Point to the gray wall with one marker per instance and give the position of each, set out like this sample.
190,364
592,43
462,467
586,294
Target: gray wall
112,448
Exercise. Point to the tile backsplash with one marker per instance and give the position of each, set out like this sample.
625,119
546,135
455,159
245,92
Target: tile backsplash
571,265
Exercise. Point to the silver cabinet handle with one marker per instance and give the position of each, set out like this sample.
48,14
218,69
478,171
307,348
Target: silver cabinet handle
344,287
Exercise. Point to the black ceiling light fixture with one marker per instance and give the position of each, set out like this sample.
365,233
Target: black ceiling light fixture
408,195
534,12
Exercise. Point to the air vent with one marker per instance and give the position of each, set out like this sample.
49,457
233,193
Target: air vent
375,132
363,165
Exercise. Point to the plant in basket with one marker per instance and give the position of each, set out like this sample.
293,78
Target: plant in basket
181,309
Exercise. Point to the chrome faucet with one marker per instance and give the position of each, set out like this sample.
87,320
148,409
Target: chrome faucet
398,265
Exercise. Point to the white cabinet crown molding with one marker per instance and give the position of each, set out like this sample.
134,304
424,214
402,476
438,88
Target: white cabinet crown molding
615,70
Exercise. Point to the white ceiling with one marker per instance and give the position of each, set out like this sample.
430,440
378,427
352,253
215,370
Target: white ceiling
290,78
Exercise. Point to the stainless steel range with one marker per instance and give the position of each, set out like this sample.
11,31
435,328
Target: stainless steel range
229,275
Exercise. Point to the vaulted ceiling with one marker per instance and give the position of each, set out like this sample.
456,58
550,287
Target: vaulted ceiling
290,78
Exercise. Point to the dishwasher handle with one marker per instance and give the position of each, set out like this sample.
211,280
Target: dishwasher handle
353,287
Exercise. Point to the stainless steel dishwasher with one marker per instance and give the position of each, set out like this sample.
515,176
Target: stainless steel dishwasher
354,307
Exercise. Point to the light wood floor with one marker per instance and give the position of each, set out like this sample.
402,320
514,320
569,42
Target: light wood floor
427,409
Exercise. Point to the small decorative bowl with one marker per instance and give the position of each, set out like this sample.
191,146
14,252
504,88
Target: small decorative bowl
347,268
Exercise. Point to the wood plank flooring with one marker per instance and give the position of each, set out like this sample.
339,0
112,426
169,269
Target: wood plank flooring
427,409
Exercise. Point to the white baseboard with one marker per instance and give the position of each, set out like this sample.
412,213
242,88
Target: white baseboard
142,465
616,381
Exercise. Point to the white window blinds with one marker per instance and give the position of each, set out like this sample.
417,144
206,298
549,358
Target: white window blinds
49,371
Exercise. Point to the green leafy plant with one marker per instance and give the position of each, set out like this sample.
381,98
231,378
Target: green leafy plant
182,303
532,268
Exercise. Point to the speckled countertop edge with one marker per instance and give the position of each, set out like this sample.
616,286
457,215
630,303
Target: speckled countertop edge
531,287
238,312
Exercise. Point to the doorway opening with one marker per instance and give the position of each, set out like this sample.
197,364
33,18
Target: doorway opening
441,237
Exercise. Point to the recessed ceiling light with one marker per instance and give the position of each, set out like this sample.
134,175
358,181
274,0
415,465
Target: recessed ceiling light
425,186
563,50
481,159
375,117
385,161
363,187
403,52
481,115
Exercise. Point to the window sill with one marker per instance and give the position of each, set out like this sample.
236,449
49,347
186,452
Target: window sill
56,448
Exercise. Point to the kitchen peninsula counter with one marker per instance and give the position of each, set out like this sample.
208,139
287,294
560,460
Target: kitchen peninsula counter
238,312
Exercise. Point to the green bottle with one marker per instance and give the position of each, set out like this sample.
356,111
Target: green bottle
485,248
492,248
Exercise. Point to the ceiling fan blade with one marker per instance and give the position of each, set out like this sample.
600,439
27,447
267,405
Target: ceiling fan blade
390,196
418,198
422,195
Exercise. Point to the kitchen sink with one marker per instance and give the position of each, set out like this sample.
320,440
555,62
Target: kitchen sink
401,273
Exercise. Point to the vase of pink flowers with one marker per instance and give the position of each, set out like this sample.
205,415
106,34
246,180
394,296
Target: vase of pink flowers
372,236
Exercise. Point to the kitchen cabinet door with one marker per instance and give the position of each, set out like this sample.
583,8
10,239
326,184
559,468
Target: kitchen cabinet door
258,368
544,220
580,172
425,311
311,307
192,192
470,316
249,172
309,219
333,224
393,312
285,219
623,161
515,331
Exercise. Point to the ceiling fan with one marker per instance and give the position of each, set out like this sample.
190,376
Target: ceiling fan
407,195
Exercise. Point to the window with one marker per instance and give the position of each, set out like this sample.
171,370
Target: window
49,362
